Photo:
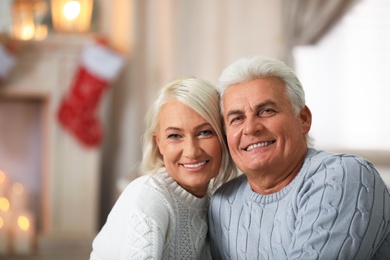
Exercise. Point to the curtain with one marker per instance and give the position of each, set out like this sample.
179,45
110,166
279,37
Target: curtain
304,22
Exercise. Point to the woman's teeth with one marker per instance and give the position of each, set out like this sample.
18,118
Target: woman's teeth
196,165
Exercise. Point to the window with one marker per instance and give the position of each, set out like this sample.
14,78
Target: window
346,77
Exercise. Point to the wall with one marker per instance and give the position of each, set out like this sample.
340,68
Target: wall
347,89
162,40
67,173
166,39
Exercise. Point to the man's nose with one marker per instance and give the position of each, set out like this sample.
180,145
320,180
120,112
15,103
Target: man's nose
252,125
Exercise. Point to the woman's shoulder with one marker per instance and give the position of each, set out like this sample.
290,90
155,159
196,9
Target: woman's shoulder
142,198
142,192
135,186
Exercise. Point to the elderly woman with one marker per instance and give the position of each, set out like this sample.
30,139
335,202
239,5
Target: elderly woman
163,215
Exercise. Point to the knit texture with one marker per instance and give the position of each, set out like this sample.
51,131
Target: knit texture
154,218
337,207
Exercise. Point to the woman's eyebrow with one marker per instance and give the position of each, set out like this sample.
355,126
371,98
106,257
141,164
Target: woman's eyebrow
174,128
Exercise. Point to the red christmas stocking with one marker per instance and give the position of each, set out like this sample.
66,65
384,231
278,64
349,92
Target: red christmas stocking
77,112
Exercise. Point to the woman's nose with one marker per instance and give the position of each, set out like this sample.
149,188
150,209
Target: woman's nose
191,148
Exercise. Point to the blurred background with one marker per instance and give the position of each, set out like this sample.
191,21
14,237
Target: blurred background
76,79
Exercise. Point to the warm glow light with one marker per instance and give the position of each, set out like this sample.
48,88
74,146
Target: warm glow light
4,204
71,10
18,188
27,32
72,16
1,222
41,32
23,223
27,16
2,177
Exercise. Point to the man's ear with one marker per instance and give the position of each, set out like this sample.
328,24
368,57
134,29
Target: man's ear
305,116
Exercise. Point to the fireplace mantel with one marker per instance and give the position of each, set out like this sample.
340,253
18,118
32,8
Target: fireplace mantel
70,172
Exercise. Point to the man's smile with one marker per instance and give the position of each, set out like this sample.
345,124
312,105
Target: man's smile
261,144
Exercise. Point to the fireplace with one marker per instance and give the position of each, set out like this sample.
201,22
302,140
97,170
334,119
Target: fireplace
21,132
61,176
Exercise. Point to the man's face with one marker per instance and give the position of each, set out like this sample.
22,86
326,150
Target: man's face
263,134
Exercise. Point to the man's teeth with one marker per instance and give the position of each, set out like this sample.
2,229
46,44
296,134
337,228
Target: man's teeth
253,146
196,165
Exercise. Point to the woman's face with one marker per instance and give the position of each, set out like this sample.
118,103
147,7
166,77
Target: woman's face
190,147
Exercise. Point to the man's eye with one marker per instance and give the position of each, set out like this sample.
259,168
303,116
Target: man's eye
267,112
235,119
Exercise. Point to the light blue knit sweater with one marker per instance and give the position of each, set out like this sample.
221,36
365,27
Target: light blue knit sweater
337,207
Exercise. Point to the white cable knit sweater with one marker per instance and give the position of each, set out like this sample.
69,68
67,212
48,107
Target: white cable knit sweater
154,218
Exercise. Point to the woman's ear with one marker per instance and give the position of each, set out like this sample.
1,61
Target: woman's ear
157,140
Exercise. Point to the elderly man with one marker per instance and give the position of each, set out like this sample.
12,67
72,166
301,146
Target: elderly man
292,201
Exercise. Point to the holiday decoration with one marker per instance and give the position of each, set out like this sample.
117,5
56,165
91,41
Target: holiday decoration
6,62
77,113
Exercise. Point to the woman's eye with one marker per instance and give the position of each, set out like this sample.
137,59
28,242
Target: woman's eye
206,133
174,136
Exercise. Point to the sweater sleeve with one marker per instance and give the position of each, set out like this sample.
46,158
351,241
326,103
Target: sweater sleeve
341,212
136,227
143,238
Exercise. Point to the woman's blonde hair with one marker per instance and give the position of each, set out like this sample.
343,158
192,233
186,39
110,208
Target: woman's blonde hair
201,96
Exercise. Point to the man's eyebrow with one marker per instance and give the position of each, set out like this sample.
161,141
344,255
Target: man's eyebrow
267,102
233,112
259,106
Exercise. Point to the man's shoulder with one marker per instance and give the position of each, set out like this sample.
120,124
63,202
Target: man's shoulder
344,160
328,165
232,186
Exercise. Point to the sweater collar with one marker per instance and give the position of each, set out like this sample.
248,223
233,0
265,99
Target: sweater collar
277,196
165,179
